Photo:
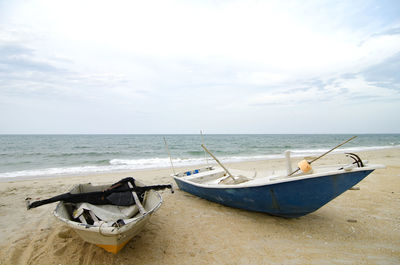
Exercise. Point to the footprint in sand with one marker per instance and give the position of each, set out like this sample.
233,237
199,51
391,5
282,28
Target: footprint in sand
60,251
65,234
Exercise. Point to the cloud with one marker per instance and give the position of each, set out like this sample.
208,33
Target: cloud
390,31
25,73
352,89
385,74
17,58
191,60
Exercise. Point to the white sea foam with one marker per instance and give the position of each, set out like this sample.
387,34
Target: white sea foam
164,162
313,152
114,165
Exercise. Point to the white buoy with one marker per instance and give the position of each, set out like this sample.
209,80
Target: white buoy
288,162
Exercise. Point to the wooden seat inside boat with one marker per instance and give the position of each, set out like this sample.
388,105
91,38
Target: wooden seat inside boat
206,176
220,176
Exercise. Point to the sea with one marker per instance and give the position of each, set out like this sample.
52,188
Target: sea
34,156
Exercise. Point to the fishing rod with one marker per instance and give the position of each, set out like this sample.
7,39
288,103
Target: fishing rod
202,141
169,154
315,159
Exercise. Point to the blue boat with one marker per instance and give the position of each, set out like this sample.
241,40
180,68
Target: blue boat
279,194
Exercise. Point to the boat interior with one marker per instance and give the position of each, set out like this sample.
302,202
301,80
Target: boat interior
105,215
218,176
222,176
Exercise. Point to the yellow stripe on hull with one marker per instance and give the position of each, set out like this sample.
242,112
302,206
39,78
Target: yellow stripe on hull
113,248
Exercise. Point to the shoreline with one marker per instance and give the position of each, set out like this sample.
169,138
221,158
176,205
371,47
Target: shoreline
273,157
190,230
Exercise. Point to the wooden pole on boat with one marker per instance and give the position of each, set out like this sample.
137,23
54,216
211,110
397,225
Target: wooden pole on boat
216,159
137,201
202,142
169,154
315,159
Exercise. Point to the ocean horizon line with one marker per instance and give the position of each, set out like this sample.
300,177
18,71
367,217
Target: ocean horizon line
161,134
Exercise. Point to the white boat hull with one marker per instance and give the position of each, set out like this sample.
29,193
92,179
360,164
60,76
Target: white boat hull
112,239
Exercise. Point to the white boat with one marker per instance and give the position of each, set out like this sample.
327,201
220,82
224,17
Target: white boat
112,226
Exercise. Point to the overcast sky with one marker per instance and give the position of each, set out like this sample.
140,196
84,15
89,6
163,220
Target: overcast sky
181,66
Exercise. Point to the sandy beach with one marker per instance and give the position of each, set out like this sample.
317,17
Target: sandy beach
359,227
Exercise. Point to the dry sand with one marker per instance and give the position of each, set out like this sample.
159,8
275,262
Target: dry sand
359,227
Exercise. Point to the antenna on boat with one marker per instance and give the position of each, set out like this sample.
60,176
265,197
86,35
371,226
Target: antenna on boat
315,159
169,154
216,159
202,142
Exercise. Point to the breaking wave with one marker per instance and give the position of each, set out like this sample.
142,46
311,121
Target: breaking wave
122,164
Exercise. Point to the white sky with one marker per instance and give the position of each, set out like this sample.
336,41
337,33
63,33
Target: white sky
181,66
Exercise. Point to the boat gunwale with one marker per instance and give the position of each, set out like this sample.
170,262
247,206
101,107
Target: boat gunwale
278,179
108,231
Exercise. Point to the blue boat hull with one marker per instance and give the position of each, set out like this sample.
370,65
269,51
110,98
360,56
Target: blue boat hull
286,199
